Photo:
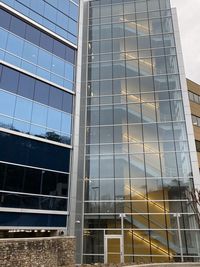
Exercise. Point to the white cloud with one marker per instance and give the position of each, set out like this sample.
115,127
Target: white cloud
189,23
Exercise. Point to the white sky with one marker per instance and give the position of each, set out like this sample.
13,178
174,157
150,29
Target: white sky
189,24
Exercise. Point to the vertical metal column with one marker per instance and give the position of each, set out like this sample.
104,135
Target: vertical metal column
122,216
178,215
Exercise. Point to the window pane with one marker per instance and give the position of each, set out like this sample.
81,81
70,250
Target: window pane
39,114
46,42
26,86
32,34
4,19
67,102
55,97
7,103
41,92
17,48
44,59
23,109
66,124
17,26
54,119
9,80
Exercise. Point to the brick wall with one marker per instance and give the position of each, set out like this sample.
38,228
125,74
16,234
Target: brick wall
41,252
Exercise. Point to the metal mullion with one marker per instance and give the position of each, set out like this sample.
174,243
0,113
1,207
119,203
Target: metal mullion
113,128
127,128
160,156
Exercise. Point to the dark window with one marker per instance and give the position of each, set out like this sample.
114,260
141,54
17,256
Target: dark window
18,27
62,183
14,178
5,19
67,103
29,152
10,200
28,219
32,202
55,98
2,174
46,42
32,181
32,35
26,86
59,49
9,80
49,185
41,92
55,184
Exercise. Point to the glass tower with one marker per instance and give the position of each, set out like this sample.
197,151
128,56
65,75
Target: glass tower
138,154
38,47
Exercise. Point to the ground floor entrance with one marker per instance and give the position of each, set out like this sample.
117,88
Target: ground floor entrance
113,249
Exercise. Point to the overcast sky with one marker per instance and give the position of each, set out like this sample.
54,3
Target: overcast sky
189,24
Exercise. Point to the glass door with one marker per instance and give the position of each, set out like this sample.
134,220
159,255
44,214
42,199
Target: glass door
113,249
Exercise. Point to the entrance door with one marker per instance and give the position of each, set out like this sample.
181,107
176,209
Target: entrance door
113,249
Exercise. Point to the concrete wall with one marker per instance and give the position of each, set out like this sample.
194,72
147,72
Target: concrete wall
41,252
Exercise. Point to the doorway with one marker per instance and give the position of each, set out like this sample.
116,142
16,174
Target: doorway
113,249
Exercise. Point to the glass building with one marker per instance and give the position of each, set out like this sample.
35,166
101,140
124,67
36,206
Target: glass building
38,51
140,162
96,137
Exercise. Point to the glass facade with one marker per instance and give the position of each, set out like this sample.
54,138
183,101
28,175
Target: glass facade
48,109
37,95
61,17
137,155
36,51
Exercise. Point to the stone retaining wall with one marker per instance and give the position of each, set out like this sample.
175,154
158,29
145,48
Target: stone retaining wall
40,252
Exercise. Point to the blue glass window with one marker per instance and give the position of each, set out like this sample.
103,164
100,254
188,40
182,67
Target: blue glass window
62,20
66,124
21,126
7,103
23,109
26,86
30,52
9,80
54,119
17,48
41,92
50,12
18,27
5,122
55,98
59,49
35,36
3,38
46,42
58,66
69,70
39,114
73,11
67,103
70,55
44,59
37,131
32,34
5,19
72,26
